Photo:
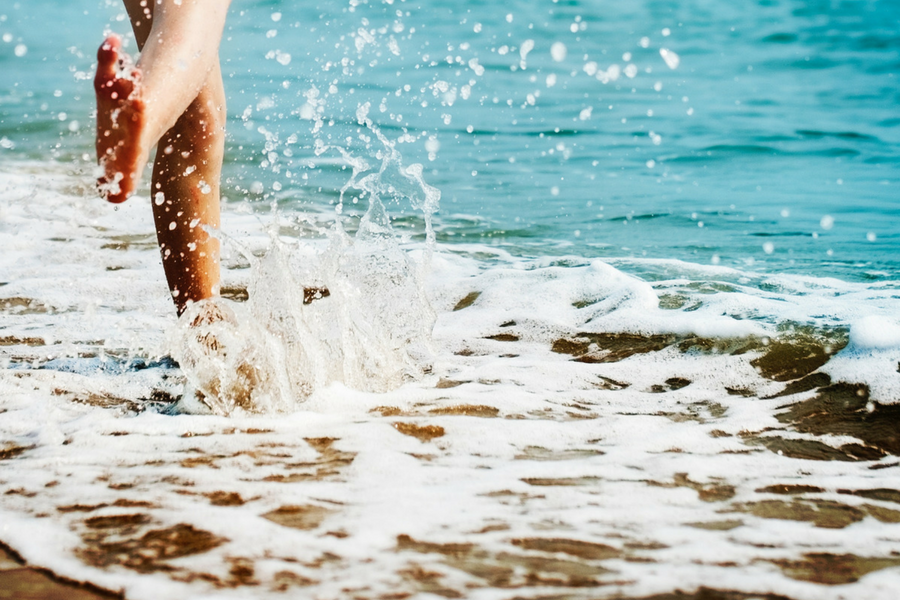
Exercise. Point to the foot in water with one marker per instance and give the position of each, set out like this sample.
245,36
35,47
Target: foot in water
121,121
219,361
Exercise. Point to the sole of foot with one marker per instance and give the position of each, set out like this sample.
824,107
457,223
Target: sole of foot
120,122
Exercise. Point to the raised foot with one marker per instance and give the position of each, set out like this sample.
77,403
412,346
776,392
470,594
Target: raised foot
120,122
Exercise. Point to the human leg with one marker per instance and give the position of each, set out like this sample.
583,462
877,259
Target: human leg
185,192
175,97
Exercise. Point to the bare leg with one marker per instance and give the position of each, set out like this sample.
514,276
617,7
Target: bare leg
173,96
185,188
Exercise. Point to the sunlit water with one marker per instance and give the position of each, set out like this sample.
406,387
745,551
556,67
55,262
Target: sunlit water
612,308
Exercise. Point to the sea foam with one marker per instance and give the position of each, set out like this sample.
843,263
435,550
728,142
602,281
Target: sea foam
641,413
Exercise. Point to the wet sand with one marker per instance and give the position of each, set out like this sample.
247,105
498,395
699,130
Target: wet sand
124,525
19,581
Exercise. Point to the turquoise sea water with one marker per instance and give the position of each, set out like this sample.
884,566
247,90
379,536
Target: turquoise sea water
773,145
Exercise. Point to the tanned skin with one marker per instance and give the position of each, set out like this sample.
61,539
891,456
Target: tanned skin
172,99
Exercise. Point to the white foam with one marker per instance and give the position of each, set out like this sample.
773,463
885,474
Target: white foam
874,333
872,356
608,429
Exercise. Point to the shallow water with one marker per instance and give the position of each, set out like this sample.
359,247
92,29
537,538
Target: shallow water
614,401
582,433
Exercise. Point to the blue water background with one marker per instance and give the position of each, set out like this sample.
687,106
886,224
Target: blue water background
793,124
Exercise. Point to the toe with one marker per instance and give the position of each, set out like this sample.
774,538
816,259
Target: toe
107,55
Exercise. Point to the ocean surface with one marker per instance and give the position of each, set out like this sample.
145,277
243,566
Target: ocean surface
613,308
773,145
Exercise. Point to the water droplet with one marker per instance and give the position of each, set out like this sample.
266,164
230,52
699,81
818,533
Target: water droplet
432,145
672,59
558,51
526,47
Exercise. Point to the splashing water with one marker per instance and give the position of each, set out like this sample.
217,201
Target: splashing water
356,313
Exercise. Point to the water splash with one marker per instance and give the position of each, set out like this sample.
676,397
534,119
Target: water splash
366,324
